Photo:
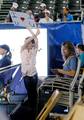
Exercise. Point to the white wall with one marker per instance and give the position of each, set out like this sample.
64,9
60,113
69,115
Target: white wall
15,38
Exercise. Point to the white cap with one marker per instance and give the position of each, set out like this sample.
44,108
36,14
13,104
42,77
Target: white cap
15,5
43,5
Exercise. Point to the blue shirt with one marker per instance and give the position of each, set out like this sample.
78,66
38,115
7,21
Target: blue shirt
69,17
5,61
70,64
81,56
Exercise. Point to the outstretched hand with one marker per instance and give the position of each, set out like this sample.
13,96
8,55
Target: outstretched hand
32,33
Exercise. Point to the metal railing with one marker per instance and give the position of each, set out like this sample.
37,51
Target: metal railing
3,69
65,85
80,87
73,83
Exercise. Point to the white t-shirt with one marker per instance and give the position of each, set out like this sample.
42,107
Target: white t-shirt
28,59
43,20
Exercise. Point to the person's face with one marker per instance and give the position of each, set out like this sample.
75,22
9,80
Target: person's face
2,51
77,50
29,44
64,51
42,8
46,14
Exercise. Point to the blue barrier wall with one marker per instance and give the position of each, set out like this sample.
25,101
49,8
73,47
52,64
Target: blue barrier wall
58,33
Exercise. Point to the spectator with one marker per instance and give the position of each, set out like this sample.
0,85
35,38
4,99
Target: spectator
80,52
59,17
82,15
70,60
28,58
5,60
47,18
36,18
66,15
13,8
30,14
42,10
5,55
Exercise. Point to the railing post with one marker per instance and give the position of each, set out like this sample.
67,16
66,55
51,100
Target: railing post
71,97
81,85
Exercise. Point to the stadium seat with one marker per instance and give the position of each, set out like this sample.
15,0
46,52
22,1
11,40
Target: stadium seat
49,105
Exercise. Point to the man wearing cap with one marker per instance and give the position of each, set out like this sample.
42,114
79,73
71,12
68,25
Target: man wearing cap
42,9
5,55
5,60
13,8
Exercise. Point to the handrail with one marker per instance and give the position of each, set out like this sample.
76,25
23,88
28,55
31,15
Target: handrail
49,105
71,92
3,69
76,75
80,85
